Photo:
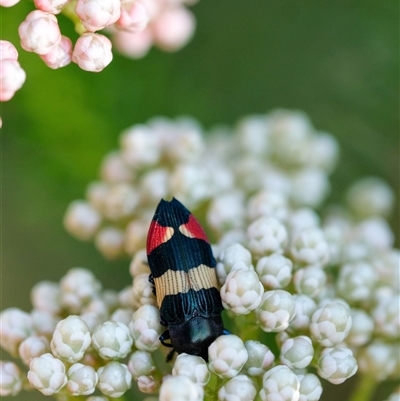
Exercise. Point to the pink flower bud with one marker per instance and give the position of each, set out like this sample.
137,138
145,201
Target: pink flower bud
97,14
50,6
92,52
8,3
8,50
39,32
173,28
60,55
133,45
12,77
134,16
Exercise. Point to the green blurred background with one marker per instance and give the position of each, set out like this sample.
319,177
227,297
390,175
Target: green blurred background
336,60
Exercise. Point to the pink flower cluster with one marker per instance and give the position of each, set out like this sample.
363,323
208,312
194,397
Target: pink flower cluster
12,76
135,25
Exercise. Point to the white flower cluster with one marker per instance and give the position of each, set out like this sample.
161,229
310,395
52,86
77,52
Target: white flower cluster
135,25
322,289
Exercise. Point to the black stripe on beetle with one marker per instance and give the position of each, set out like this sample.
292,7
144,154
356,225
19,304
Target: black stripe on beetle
183,272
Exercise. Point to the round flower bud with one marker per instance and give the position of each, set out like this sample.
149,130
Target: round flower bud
110,242
194,367
275,271
139,264
154,185
336,365
50,6
114,379
113,169
60,55
15,326
310,387
44,323
12,77
227,356
242,292
239,388
375,232
11,379
259,360
180,388
141,364
142,291
310,281
97,14
386,316
252,133
45,296
71,339
331,324
112,340
280,383
7,50
267,235
134,16
276,310
133,44
361,328
305,307
82,379
33,347
145,328
122,315
297,352
268,203
120,201
302,219
47,374
148,384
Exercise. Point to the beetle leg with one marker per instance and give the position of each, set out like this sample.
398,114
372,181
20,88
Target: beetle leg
170,355
151,281
165,336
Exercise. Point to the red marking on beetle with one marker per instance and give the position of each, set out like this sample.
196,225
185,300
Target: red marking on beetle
158,234
193,229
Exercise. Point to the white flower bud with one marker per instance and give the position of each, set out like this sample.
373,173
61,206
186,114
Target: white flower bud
135,236
280,383
47,374
71,339
154,185
145,328
239,388
141,364
78,287
268,203
260,358
110,242
44,323
33,347
82,379
122,315
180,388
375,232
336,365
82,220
361,329
113,169
253,134
45,296
267,235
194,367
15,326
297,352
310,387
120,201
386,316
148,384
275,271
114,379
276,310
142,291
310,281
139,264
331,324
241,292
11,379
305,307
112,340
302,219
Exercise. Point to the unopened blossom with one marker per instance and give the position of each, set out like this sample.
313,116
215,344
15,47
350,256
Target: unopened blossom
302,219
45,296
8,3
310,281
114,379
297,352
375,232
305,307
253,133
276,310
323,152
281,384
32,347
71,339
154,185
11,379
139,264
112,340
15,326
7,50
47,374
145,328
92,52
114,170
136,234
134,16
268,203
260,358
143,291
310,387
120,201
267,235
336,365
133,44
242,292
361,329
110,242
39,32
274,271
227,356
97,14
386,316
148,384
82,379
180,388
50,6
331,324
141,363
12,77
192,366
239,388
60,55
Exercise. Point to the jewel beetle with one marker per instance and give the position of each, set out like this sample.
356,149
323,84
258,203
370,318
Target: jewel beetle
182,269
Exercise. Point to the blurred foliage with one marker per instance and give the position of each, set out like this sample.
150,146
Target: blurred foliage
336,60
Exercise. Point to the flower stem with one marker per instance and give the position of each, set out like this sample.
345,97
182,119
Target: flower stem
364,389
